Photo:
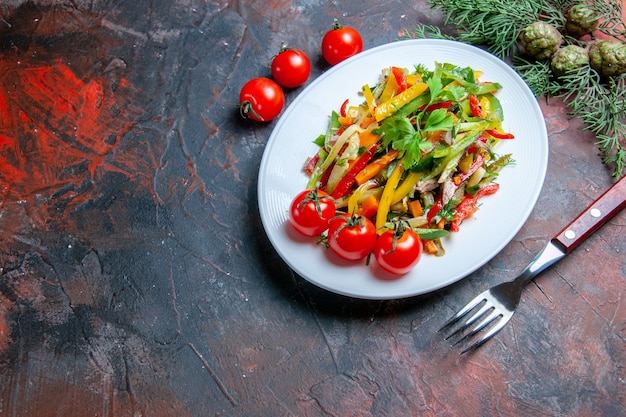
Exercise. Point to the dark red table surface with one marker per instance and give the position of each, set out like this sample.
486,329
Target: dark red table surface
135,275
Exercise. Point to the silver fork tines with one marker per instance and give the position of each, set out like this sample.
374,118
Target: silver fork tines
482,317
487,313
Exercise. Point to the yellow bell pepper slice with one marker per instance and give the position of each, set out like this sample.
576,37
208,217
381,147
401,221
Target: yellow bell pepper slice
407,185
413,79
391,87
369,98
389,107
385,199
485,105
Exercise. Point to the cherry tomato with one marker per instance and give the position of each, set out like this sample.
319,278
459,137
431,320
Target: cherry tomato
351,237
291,67
261,99
398,251
310,212
340,43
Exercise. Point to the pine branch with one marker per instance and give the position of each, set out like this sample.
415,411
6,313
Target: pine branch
430,32
602,108
537,75
610,13
496,24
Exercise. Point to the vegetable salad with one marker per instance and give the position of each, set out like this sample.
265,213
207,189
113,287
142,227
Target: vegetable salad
418,150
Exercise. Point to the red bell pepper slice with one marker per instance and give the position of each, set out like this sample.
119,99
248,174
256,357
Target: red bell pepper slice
349,179
400,77
436,208
326,176
344,106
435,106
487,190
500,135
474,148
475,106
466,208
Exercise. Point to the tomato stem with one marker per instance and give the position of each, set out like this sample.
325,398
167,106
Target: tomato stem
314,197
398,232
351,222
246,108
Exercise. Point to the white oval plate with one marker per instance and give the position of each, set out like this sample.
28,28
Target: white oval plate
484,235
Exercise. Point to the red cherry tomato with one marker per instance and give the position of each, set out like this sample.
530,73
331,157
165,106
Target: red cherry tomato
398,251
291,67
261,99
340,43
352,237
310,212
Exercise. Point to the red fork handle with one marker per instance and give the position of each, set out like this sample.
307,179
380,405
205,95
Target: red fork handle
594,216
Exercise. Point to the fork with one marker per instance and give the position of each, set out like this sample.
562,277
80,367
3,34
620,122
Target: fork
491,310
